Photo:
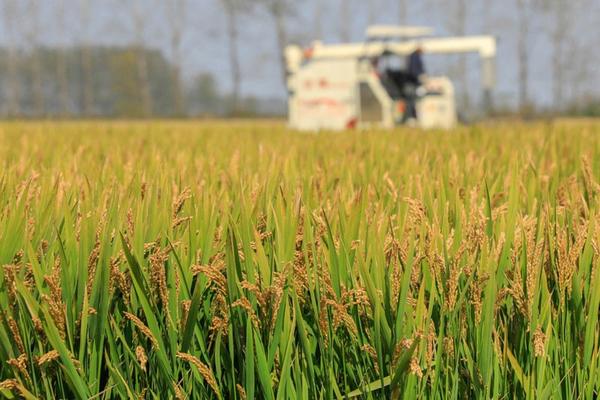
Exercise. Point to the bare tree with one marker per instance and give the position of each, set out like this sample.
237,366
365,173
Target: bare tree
233,9
371,12
523,21
579,60
561,18
456,24
279,10
559,35
61,62
373,8
86,61
14,87
402,12
176,14
35,54
142,63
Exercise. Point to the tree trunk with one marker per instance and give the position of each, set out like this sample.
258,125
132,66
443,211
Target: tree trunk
141,61
87,80
522,51
38,83
461,20
177,17
36,66
61,64
281,35
457,25
87,83
402,12
63,83
234,62
14,84
558,37
142,70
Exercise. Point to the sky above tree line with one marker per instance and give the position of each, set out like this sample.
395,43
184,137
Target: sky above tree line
205,47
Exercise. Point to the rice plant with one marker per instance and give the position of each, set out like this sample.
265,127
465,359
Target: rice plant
240,261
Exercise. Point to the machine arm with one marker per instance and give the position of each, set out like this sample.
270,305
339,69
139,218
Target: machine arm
485,46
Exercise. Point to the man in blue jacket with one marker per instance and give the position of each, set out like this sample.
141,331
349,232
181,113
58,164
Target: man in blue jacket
415,69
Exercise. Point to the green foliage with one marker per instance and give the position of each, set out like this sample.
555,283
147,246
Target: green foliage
114,82
238,260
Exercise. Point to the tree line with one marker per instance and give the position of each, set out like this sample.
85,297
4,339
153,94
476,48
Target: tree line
101,81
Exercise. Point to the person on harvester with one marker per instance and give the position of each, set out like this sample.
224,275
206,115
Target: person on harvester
415,69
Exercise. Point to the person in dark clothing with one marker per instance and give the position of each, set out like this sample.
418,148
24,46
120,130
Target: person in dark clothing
415,69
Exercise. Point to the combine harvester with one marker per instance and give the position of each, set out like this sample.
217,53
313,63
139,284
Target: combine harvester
337,87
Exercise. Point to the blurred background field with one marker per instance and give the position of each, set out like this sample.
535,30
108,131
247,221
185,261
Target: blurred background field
181,58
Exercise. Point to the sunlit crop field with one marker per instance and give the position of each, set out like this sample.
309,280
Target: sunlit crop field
240,260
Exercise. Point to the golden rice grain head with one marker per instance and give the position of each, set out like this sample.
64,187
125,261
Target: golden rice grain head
539,343
143,328
241,391
448,343
92,265
16,335
415,368
142,394
158,278
245,304
10,282
140,354
9,384
180,221
204,370
130,223
179,395
185,311
256,291
48,357
370,350
20,363
179,201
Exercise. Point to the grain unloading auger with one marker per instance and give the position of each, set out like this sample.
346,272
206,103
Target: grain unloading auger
335,87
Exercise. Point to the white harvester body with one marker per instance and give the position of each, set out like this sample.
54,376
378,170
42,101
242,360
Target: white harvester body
335,87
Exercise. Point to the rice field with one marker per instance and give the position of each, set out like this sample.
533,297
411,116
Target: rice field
242,261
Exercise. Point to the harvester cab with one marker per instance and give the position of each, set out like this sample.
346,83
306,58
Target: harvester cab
362,85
